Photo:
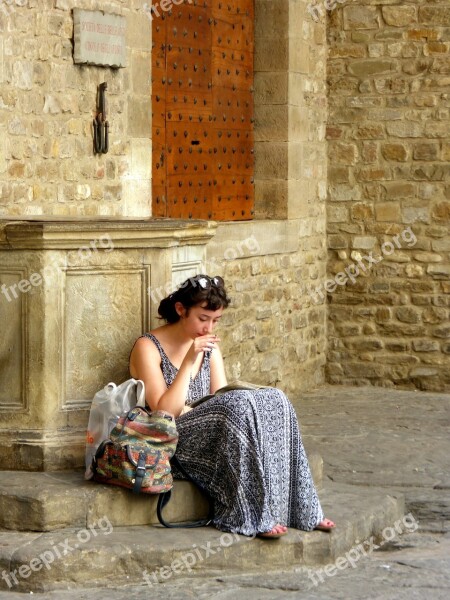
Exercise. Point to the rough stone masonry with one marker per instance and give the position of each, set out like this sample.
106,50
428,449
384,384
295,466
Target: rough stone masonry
389,153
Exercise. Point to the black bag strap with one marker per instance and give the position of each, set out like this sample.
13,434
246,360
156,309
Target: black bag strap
165,497
140,472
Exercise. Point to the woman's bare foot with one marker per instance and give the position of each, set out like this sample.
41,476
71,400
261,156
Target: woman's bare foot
275,533
325,525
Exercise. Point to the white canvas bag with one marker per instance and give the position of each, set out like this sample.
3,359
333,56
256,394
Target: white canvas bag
107,406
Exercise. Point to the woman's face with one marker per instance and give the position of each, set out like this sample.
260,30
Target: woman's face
199,321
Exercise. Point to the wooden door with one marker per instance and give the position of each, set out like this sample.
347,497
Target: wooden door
202,104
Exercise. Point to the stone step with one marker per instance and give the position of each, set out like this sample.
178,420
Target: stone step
117,556
51,501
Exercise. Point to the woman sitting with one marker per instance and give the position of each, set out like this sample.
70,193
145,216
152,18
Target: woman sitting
244,446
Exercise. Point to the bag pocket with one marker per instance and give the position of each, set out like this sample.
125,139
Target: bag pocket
139,467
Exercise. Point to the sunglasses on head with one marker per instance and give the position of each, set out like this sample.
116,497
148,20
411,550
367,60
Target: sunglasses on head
205,282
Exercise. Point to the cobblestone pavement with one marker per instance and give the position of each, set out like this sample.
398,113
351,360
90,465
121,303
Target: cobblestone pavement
370,437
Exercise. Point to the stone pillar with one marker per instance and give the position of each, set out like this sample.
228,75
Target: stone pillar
74,296
290,113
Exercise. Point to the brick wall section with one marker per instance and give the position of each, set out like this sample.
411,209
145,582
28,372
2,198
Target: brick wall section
47,166
389,153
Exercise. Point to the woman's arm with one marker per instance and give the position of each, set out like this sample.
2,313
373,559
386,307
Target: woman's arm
145,364
218,377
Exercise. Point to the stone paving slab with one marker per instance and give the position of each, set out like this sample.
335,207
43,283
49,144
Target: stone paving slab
379,437
113,554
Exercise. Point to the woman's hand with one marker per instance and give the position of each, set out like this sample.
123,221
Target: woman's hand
201,344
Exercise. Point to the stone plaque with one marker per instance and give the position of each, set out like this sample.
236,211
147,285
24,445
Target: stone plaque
99,38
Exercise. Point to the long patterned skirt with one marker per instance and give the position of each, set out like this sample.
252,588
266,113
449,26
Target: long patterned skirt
245,448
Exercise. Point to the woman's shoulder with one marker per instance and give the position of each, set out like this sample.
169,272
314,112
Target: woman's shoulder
146,342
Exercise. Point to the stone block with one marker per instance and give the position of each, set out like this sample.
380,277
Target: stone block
407,314
426,151
397,346
441,211
364,242
343,153
427,257
337,214
370,152
347,51
396,190
442,245
435,314
139,117
436,48
271,199
272,17
299,56
413,214
363,369
439,271
361,17
383,314
271,160
405,129
441,331
423,372
388,211
344,193
395,152
367,344
435,15
399,16
336,242
423,33
339,175
139,31
436,129
141,72
373,174
271,88
370,131
271,54
271,123
368,67
362,211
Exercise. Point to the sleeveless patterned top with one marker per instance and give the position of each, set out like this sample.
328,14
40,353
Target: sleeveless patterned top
199,386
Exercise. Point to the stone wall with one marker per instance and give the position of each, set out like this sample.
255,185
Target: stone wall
47,166
389,193
272,333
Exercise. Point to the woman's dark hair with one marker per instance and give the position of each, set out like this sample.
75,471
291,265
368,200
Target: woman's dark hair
199,290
